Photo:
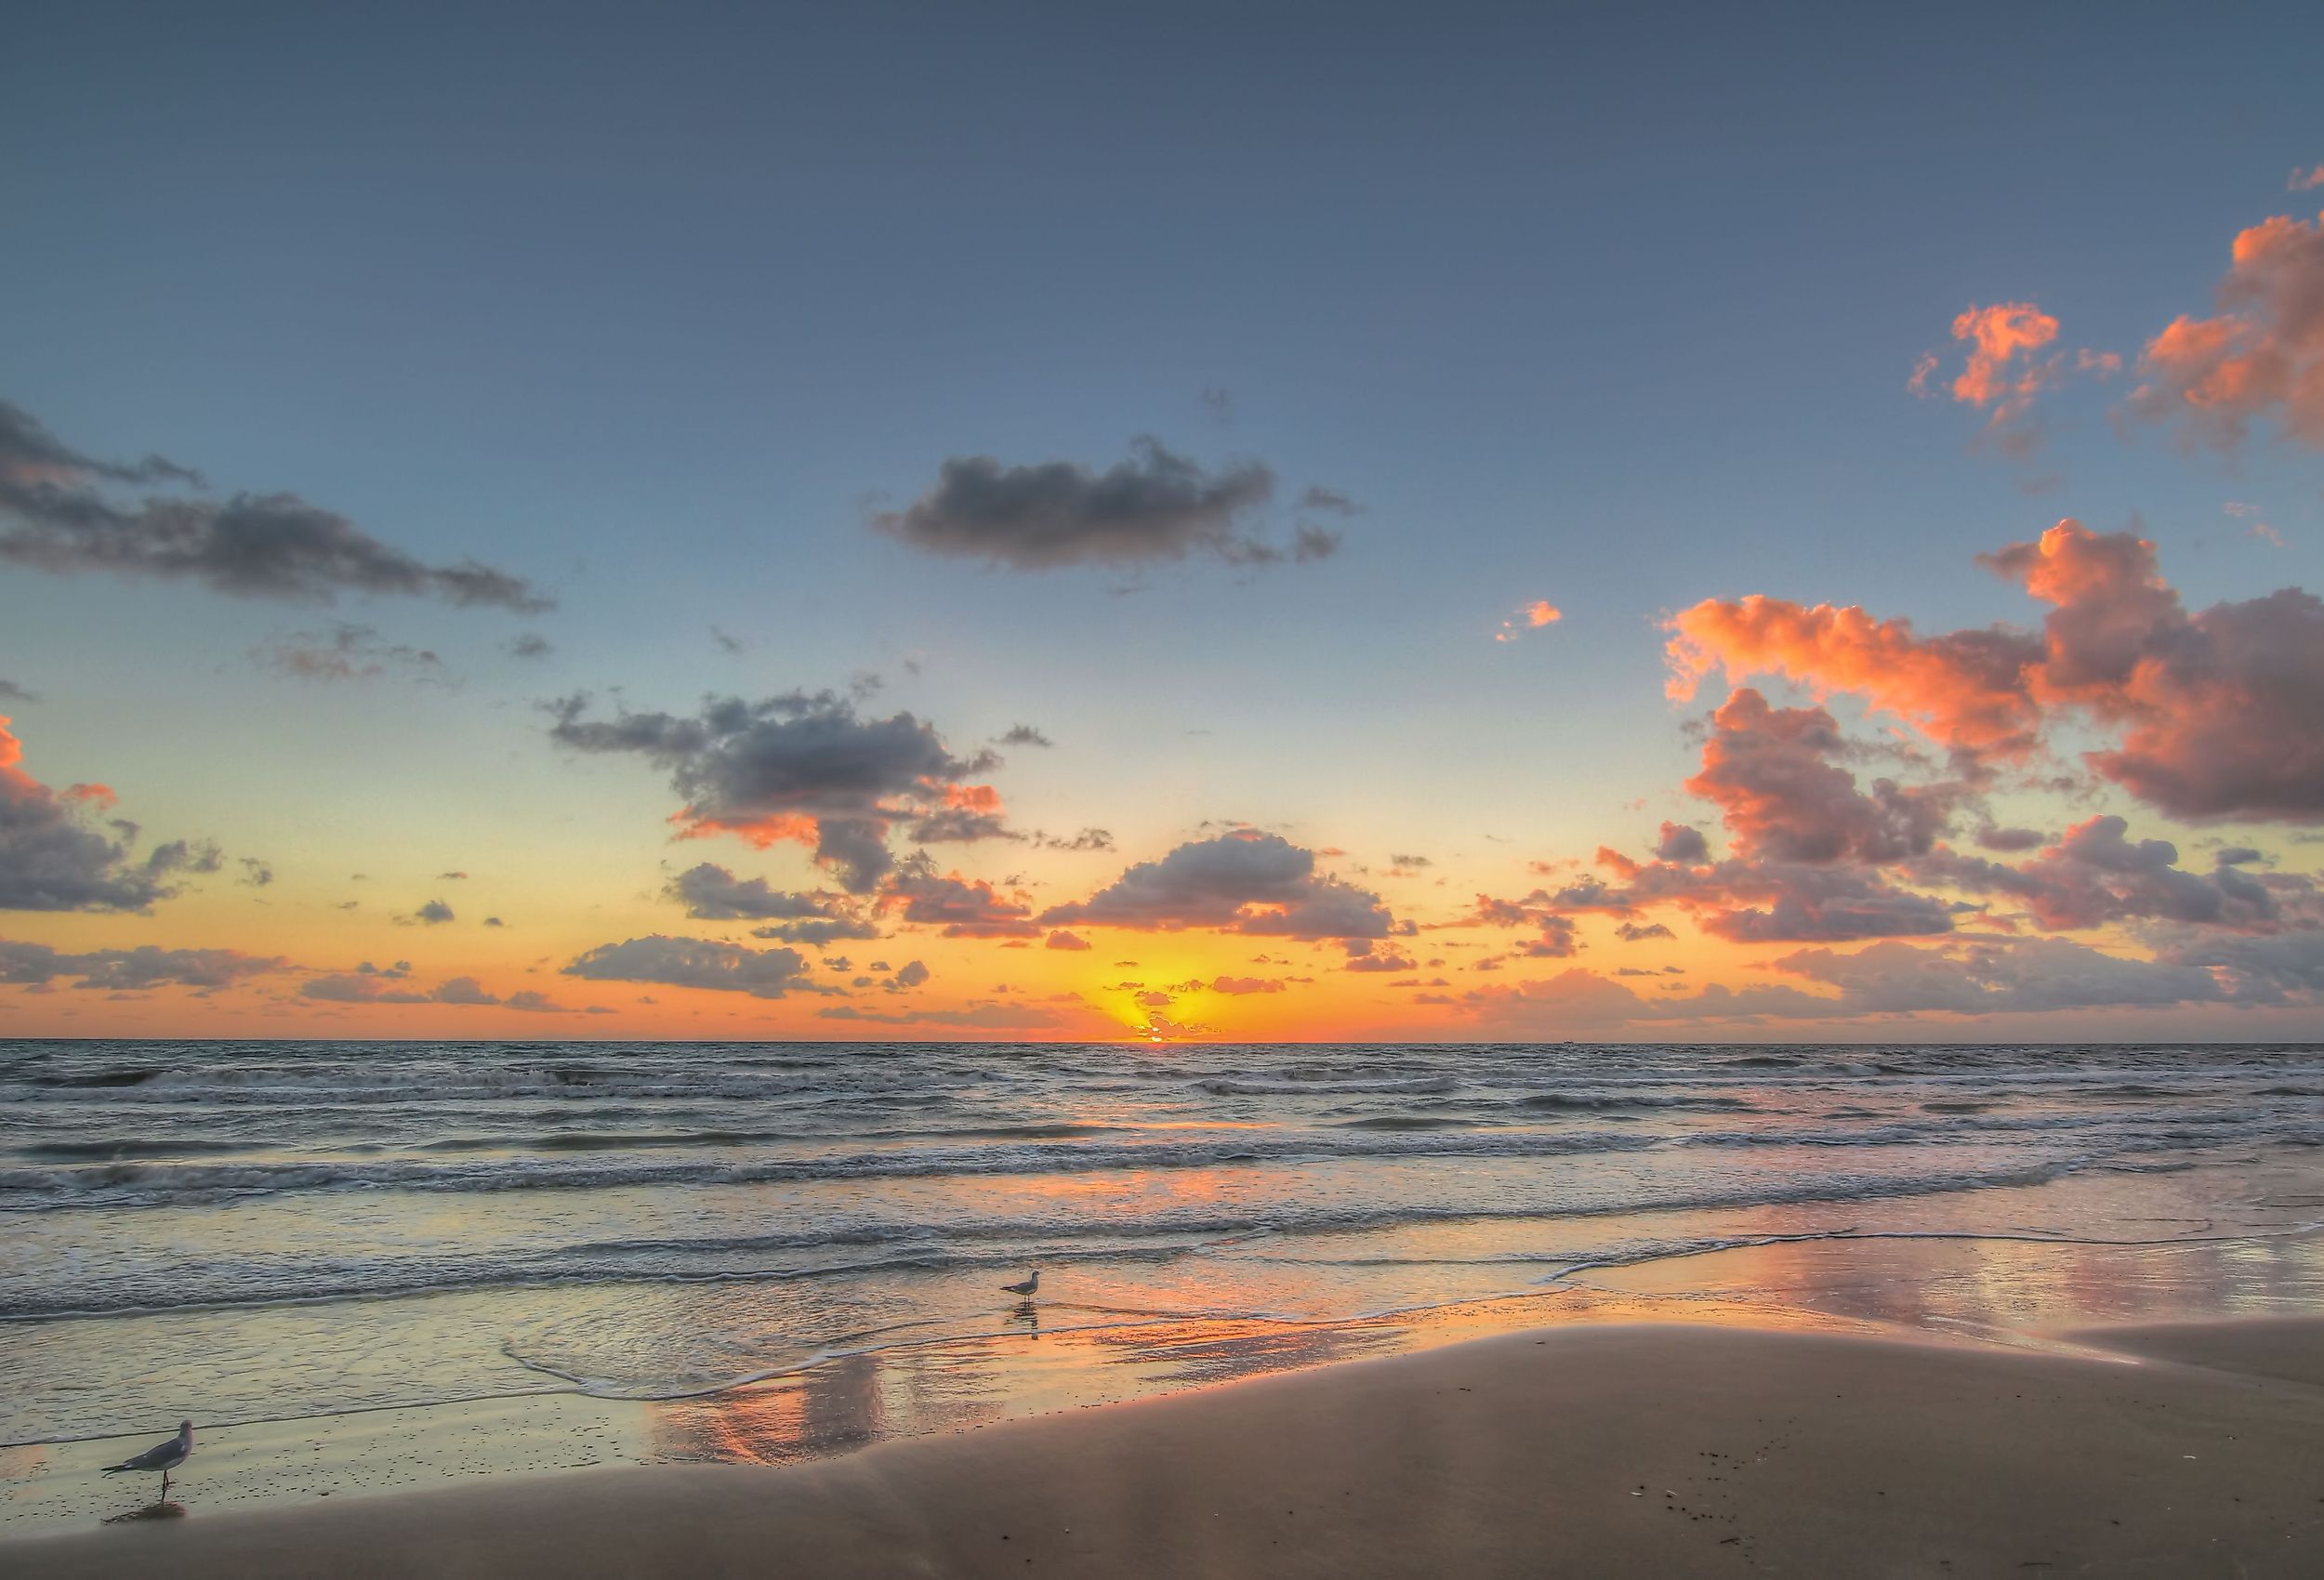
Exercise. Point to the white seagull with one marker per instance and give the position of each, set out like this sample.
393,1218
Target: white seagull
1026,1288
161,1457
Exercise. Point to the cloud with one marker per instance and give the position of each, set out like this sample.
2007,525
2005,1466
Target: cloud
712,893
2095,875
694,963
1770,772
989,1017
2305,180
530,644
1155,506
801,767
36,965
2220,713
354,987
433,913
1747,902
1639,932
1063,940
256,873
12,692
52,860
1088,839
1678,842
1025,735
1241,985
59,511
1242,881
344,652
1559,936
1531,617
2019,975
2260,358
963,909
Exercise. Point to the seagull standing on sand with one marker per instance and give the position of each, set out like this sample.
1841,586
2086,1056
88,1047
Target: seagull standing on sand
1025,1289
161,1457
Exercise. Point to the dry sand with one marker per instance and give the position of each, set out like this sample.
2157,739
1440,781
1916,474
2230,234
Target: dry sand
1594,1451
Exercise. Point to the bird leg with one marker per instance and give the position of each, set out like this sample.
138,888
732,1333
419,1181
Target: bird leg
165,1498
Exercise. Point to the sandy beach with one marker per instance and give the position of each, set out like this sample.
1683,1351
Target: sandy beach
1639,1449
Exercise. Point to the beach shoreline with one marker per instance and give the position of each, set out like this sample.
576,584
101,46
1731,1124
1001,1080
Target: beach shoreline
2187,1449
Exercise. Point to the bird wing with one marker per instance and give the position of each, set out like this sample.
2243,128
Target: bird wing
154,1457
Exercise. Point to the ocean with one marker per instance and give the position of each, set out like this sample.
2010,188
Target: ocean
246,1232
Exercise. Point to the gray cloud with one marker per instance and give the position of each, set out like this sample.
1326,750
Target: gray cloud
256,873
434,914
12,692
344,652
2026,974
695,963
712,893
530,644
59,512
129,969
963,909
1019,735
1242,882
1156,506
798,766
51,859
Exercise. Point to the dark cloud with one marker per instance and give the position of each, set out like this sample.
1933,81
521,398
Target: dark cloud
1019,735
695,963
1639,932
51,859
1063,940
256,873
712,893
2010,839
2096,874
132,969
963,909
197,856
1156,506
530,644
60,510
434,914
1679,843
797,767
12,692
1088,839
1242,881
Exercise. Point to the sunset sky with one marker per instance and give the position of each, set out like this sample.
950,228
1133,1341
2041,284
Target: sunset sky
1243,523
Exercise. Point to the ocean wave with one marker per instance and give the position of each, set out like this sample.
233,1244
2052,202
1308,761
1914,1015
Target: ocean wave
137,1184
901,1247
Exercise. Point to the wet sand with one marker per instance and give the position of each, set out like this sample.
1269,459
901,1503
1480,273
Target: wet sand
1649,1449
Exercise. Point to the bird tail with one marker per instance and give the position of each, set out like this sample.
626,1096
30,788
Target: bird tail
111,1469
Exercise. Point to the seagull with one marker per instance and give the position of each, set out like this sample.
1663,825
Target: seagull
1026,1288
161,1457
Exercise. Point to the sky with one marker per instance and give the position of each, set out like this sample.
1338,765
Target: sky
1269,522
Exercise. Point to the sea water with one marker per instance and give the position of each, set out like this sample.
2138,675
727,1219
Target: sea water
264,1230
